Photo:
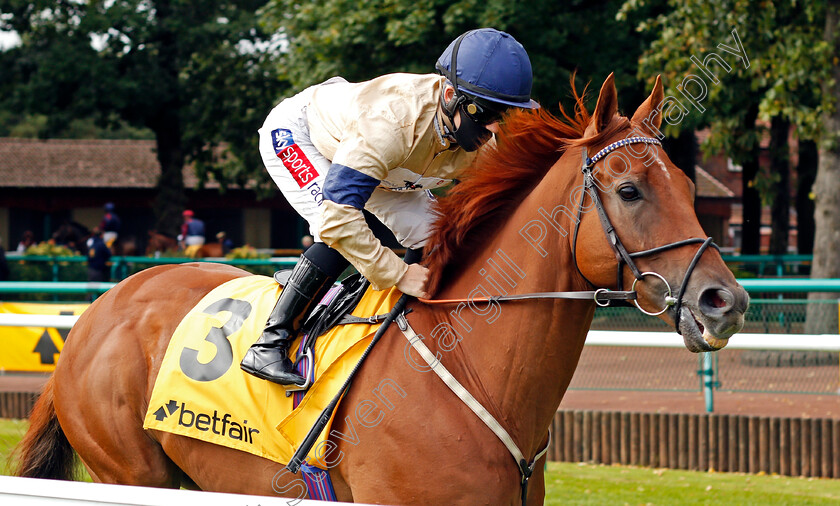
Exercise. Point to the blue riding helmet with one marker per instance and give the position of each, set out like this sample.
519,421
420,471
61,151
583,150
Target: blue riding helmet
490,72
491,65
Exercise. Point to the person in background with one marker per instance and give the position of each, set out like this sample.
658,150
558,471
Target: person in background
98,255
4,266
306,242
110,225
26,241
192,230
225,241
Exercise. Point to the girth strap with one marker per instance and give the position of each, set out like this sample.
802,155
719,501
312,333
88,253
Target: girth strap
349,319
526,469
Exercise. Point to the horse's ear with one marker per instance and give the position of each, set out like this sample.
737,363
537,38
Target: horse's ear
649,114
607,105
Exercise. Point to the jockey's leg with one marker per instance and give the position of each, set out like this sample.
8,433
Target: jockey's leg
299,170
311,278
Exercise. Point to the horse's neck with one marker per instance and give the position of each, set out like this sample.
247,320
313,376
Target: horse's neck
521,355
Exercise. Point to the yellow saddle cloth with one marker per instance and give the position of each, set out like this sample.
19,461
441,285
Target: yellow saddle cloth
192,250
201,392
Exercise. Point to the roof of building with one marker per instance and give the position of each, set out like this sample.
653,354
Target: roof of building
709,186
97,163
81,163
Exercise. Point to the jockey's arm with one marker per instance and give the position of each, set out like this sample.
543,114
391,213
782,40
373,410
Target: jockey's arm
344,229
375,141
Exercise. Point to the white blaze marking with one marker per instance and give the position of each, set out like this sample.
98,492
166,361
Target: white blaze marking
664,169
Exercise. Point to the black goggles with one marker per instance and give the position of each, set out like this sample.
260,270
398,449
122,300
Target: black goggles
482,112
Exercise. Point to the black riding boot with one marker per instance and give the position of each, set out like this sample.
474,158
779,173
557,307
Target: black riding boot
268,357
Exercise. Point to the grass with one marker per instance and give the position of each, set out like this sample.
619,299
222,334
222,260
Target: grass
11,431
616,485
598,484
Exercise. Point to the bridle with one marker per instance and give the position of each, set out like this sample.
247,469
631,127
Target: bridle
604,296
622,256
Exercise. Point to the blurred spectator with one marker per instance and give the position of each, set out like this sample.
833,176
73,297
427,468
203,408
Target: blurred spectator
192,230
98,255
226,243
26,241
110,225
70,234
306,241
4,266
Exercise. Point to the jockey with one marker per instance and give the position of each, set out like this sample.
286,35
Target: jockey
192,230
337,148
110,225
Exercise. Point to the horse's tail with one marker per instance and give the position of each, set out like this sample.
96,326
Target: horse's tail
44,451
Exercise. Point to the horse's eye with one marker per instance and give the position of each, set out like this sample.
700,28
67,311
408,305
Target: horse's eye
629,192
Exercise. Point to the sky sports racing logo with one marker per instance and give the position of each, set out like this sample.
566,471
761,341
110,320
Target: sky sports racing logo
281,138
224,425
293,157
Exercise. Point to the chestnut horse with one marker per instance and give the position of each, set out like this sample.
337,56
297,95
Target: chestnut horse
160,243
502,230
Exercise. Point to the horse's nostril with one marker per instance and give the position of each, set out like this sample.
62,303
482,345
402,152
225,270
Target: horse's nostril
719,299
716,300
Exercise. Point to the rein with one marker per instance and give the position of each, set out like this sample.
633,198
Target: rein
526,468
601,296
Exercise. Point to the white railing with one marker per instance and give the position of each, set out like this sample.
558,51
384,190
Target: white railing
783,342
33,491
38,320
819,342
780,342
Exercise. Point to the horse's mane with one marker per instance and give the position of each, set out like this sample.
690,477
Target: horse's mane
530,143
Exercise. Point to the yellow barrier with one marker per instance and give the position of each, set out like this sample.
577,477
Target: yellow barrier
33,349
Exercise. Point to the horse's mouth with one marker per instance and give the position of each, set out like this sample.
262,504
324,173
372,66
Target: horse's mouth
696,336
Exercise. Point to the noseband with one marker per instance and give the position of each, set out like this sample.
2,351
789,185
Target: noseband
622,256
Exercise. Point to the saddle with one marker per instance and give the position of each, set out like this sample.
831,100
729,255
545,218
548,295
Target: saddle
333,310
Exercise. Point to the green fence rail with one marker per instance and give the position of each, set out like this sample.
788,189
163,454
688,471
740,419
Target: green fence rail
122,266
60,268
752,285
54,287
769,265
790,285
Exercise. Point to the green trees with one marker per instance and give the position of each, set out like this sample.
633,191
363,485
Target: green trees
361,40
199,74
778,85
822,318
194,73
